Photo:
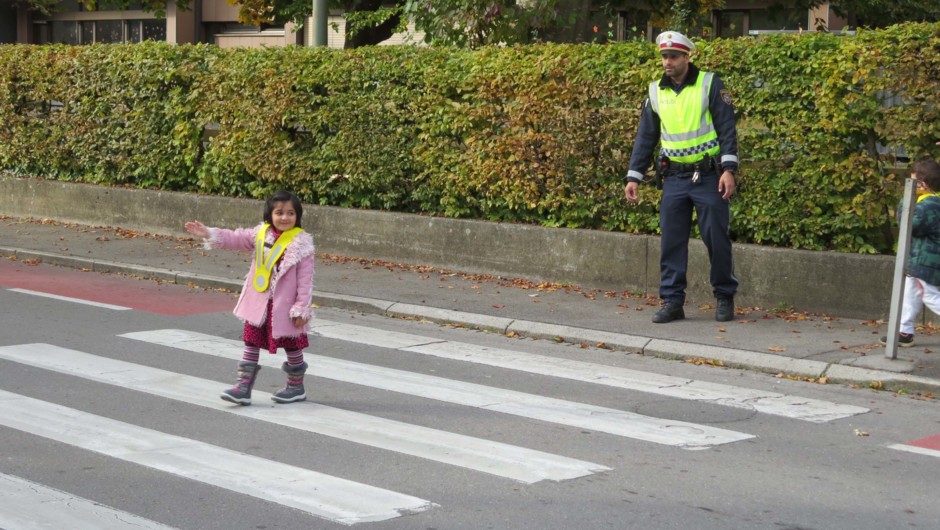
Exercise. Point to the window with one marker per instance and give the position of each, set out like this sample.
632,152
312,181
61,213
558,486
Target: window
106,31
779,19
632,25
109,31
731,24
133,31
153,30
65,32
86,31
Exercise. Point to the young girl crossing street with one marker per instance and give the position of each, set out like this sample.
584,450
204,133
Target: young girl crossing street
275,300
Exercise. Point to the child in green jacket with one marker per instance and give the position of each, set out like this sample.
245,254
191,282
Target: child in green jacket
923,267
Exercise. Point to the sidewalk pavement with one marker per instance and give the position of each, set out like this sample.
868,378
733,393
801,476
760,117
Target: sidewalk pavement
780,341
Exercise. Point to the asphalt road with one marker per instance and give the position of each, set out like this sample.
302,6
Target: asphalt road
109,418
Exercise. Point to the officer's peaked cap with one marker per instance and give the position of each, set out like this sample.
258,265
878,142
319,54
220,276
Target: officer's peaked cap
673,41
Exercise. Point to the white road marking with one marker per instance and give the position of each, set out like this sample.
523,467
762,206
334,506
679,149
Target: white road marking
332,498
813,410
70,299
517,463
612,421
917,450
26,505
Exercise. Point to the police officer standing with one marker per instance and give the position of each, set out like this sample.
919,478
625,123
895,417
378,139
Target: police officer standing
690,114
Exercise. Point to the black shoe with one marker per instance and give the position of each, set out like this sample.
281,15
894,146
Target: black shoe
725,311
668,313
905,340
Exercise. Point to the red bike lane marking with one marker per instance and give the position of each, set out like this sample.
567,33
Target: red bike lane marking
142,295
930,442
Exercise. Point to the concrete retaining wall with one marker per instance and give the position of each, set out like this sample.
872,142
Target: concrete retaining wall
846,285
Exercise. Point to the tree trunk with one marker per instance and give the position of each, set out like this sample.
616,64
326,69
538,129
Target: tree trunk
373,35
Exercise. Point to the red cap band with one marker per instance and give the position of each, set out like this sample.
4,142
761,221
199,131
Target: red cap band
672,45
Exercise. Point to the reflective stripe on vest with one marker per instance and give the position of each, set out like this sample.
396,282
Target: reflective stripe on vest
264,267
687,133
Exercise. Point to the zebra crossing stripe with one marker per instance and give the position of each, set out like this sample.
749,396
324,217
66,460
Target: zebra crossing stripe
517,463
26,505
800,408
70,299
332,498
612,421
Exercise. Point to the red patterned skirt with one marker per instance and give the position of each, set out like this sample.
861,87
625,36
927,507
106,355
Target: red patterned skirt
262,337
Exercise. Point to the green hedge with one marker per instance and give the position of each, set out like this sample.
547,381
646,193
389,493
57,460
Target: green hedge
534,134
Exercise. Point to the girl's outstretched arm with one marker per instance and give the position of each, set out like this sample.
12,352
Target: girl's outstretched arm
197,229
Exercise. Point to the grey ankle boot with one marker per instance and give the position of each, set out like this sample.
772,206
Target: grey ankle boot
241,392
294,391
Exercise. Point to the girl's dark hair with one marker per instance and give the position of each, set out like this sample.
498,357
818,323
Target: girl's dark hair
282,196
928,171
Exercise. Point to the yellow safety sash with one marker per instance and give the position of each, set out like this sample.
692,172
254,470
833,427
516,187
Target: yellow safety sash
264,267
928,194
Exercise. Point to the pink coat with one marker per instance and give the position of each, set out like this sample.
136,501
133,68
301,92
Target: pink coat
291,286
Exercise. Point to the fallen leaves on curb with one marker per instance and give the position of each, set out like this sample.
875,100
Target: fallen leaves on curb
818,380
703,362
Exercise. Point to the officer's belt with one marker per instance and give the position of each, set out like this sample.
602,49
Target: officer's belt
707,163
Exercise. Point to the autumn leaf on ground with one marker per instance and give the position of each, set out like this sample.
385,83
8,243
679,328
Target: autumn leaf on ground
703,362
860,433
499,306
32,261
776,348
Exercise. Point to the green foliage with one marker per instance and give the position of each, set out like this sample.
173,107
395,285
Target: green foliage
475,23
533,134
117,114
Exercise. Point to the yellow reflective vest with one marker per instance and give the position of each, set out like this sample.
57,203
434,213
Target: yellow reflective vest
687,133
264,265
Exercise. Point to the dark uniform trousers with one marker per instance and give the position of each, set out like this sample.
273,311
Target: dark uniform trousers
680,196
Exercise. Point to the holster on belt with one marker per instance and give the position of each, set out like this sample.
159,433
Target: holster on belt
662,164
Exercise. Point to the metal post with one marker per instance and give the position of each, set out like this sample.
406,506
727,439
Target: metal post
320,15
900,264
